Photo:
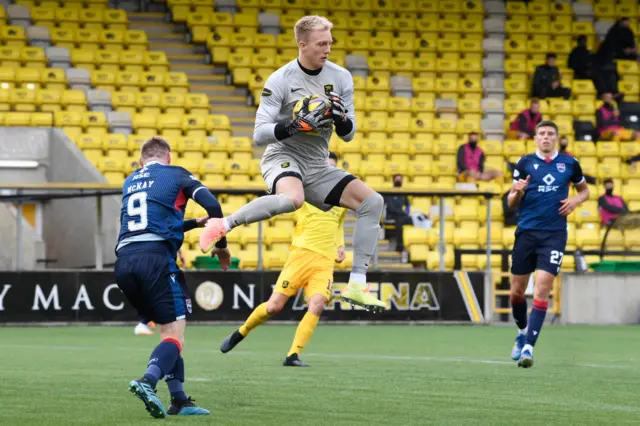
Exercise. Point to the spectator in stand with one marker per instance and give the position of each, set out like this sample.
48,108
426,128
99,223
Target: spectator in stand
471,161
610,206
547,81
524,126
398,210
563,146
608,122
580,60
620,41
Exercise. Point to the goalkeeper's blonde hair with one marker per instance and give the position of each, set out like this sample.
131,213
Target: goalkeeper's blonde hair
310,23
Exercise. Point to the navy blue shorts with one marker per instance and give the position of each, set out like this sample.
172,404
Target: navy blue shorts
538,250
152,282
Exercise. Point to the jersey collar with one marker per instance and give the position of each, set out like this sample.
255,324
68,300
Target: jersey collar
545,159
152,162
308,71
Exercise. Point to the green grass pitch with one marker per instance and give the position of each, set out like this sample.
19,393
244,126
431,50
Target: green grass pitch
360,375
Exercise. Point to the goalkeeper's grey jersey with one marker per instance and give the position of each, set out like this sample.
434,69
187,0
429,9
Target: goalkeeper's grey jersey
283,89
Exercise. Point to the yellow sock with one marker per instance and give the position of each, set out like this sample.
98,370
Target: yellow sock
257,317
303,333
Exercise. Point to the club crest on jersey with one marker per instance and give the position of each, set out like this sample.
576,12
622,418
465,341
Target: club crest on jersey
285,165
561,167
328,88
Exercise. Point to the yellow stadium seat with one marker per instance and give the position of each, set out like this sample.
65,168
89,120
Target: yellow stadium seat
115,19
23,100
608,149
583,87
112,39
88,142
74,101
610,168
47,100
132,61
115,144
156,61
12,35
40,119
584,149
124,102
587,212
33,57
194,125
172,103
17,119
94,123
152,81
148,102
136,40
177,82
67,119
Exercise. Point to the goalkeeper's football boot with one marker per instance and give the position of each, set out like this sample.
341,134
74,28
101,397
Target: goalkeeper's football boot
186,407
517,346
213,232
294,361
147,394
359,295
526,358
231,341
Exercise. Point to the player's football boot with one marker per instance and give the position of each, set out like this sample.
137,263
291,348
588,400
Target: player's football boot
359,295
294,361
143,330
517,346
186,407
213,232
526,358
231,341
145,392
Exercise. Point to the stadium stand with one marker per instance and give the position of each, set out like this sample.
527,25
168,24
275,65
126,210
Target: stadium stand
425,73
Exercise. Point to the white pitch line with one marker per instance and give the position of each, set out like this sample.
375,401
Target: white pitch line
319,355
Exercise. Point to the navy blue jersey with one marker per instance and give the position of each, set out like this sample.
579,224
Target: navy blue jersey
549,184
154,198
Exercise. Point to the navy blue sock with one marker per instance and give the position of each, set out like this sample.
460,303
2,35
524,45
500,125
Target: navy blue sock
175,379
519,310
162,360
536,320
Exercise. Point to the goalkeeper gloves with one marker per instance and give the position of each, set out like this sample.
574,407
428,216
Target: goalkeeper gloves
338,109
309,121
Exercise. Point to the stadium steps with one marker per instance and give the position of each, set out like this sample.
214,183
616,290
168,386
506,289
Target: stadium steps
212,80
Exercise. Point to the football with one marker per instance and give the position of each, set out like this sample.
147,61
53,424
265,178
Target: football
311,103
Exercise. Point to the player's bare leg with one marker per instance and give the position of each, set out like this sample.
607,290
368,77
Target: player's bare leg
305,330
260,314
288,198
368,206
519,310
542,289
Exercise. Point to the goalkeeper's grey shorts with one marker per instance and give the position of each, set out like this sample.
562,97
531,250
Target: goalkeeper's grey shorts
323,184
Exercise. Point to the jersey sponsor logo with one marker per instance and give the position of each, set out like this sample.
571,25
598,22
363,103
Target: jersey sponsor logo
266,92
535,166
548,179
561,167
328,88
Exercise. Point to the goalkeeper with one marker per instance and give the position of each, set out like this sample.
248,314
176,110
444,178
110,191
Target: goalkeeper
295,166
